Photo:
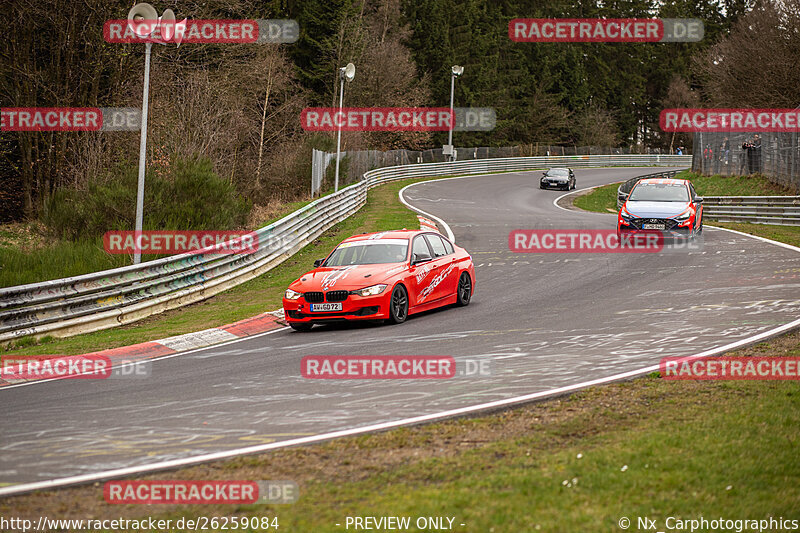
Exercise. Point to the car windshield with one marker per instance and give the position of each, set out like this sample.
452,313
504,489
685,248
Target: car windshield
558,172
369,252
659,192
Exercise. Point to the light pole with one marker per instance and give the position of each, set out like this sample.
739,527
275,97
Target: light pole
345,73
455,71
138,14
143,19
137,252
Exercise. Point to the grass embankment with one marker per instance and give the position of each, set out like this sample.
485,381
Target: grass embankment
648,447
604,200
28,256
181,194
382,211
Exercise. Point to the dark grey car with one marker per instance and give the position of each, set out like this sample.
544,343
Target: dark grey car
558,178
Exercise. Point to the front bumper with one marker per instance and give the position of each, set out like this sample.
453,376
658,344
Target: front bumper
667,236
353,308
672,228
556,184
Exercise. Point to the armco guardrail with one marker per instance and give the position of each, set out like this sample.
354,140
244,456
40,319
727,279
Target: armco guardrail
105,299
780,210
625,189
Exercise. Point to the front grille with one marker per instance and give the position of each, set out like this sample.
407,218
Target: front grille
637,223
336,296
314,297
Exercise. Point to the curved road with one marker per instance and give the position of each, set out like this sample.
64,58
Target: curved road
544,321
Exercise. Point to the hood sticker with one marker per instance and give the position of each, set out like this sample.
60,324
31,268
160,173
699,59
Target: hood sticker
331,278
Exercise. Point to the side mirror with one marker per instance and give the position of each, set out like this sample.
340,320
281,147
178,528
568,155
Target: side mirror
318,262
698,199
623,196
420,258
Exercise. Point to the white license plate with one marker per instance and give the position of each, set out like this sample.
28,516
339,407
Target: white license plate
653,226
321,308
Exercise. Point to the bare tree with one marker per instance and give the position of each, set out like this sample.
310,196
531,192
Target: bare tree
595,126
757,64
679,95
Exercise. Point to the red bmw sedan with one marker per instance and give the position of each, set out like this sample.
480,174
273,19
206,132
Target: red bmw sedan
381,276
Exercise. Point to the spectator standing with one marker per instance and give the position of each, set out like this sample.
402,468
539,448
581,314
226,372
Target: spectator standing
708,158
726,151
757,153
746,158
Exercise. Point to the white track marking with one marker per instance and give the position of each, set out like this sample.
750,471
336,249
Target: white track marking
555,202
763,239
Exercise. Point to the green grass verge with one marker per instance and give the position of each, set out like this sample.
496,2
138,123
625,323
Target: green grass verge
683,460
602,199
381,212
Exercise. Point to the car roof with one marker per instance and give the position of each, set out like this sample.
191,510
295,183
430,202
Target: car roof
663,181
393,234
557,168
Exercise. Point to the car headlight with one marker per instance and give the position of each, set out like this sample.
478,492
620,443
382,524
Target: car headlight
683,217
624,214
292,295
371,291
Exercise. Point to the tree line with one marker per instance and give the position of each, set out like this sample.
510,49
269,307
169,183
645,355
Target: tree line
238,106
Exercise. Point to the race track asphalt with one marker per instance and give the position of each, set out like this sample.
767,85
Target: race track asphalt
543,321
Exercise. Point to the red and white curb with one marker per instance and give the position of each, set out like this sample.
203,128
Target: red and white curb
171,345
427,224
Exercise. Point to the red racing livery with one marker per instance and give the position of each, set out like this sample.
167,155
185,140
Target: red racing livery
381,276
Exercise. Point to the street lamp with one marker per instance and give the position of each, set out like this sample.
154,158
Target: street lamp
345,73
143,19
455,71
